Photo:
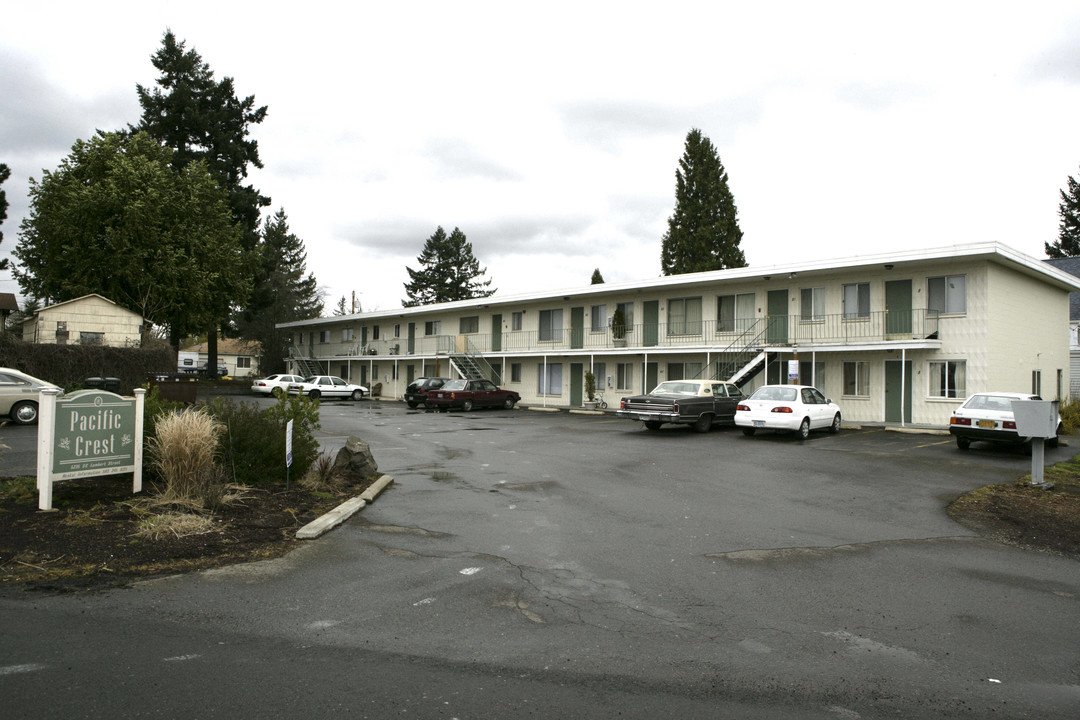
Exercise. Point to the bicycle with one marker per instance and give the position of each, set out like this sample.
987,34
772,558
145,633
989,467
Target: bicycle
600,401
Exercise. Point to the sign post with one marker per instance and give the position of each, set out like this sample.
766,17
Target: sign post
288,452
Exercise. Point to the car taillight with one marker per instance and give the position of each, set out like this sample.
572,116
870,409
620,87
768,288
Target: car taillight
781,409
959,421
261,384
742,408
622,404
1008,424
675,408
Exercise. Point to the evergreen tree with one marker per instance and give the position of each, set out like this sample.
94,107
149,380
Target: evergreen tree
202,119
703,232
448,272
597,278
1068,243
285,292
5,173
342,307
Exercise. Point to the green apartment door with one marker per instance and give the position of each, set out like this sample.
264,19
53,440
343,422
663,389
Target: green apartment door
652,376
577,328
650,328
777,333
411,333
576,374
893,380
496,333
898,307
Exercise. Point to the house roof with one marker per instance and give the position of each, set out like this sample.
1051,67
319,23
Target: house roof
8,303
84,297
991,251
228,346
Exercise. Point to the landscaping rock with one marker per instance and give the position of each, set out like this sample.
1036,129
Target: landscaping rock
356,458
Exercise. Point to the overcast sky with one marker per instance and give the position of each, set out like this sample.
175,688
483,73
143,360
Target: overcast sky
550,133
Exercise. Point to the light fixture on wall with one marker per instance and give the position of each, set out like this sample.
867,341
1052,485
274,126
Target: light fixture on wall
889,266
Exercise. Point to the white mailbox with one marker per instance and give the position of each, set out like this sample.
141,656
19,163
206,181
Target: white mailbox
1036,418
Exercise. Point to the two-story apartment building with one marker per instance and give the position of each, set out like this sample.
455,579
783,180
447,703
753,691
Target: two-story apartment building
898,337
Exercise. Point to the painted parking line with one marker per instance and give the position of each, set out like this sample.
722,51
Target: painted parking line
18,669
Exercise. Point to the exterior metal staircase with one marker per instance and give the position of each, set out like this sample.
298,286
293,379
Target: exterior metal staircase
471,364
304,366
740,361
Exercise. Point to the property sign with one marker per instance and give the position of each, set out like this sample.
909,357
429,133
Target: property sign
288,443
87,434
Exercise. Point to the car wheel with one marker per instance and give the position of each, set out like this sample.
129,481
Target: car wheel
749,432
652,425
835,427
277,392
804,429
703,423
412,405
467,405
24,413
508,403
962,442
357,394
314,394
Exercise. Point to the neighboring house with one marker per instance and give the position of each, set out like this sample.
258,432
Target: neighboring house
8,305
88,320
239,357
1071,265
897,337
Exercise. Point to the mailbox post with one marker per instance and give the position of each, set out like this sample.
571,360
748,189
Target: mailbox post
1037,419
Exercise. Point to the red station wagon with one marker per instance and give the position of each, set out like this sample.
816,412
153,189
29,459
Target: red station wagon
467,394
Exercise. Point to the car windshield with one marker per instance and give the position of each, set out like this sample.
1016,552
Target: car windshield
783,394
673,387
454,385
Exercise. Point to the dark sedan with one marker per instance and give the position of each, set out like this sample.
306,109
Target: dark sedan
467,394
418,390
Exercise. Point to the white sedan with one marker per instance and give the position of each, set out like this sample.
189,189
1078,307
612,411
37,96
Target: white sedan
791,408
318,386
989,416
276,385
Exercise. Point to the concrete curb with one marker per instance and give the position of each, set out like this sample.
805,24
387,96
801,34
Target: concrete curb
545,409
586,412
343,512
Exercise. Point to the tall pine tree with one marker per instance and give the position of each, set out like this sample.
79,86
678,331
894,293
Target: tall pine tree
1068,243
448,272
5,173
703,233
597,278
285,292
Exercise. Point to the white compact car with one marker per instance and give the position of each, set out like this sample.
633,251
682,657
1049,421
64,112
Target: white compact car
318,386
788,408
989,416
276,385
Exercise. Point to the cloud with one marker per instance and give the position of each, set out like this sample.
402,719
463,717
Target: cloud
457,159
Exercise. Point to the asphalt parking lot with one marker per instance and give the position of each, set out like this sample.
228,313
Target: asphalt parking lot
716,574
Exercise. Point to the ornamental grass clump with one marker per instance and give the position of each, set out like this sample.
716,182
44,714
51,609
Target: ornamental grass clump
183,451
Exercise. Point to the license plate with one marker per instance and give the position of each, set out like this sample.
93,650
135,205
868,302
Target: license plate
987,424
759,423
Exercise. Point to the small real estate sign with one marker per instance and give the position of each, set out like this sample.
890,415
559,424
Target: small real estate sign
86,434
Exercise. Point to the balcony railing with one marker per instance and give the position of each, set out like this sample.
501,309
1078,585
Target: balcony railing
773,331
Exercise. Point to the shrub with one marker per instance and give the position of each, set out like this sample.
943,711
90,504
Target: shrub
154,407
254,439
182,453
590,385
322,475
1070,415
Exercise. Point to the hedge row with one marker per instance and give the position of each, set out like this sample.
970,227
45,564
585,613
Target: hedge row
69,365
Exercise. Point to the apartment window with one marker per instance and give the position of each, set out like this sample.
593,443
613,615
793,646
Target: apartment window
397,330
515,372
550,379
469,324
599,318
813,304
243,363
551,326
857,379
948,379
857,301
811,373
734,313
432,327
515,320
628,313
947,294
374,332
599,372
324,336
683,371
1036,382
346,334
684,316
393,371
624,376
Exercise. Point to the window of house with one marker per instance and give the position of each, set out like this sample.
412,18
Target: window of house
243,363
624,376
469,324
734,313
813,304
551,325
346,334
91,338
599,318
684,316
515,372
1036,382
857,378
947,379
515,320
432,327
857,301
946,294
599,372
550,379
324,336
